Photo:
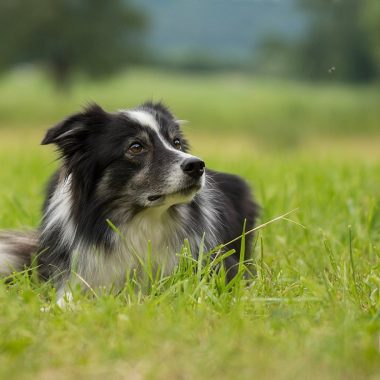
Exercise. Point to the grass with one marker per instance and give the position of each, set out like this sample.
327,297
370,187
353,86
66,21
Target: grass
312,311
281,112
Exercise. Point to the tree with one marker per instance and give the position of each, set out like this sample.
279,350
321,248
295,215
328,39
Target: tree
370,19
93,36
338,41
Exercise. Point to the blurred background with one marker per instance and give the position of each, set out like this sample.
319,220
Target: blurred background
278,71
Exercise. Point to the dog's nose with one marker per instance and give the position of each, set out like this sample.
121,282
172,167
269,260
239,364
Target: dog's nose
193,166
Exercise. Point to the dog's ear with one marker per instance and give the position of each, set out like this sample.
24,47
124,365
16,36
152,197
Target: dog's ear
63,129
76,127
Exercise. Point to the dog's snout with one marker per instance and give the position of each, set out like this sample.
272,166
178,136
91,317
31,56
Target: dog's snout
193,166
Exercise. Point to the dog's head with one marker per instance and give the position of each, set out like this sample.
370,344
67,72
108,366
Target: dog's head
135,157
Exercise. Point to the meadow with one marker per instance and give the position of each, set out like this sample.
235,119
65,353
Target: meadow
312,311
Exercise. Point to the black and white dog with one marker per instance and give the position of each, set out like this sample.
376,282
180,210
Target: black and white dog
131,168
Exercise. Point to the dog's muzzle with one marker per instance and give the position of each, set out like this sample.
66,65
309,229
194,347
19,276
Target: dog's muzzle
193,169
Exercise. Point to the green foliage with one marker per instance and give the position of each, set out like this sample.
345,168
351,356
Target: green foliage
313,309
276,113
94,36
340,42
371,21
311,312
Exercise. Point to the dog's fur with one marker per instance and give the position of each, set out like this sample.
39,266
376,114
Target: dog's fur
130,170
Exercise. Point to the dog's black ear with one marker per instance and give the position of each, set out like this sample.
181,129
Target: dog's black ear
75,127
62,129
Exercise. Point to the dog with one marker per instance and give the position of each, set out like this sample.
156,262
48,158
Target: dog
127,184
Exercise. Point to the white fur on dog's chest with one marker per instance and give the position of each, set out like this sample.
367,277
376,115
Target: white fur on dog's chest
153,236
149,237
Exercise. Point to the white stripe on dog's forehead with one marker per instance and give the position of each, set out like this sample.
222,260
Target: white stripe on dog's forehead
144,118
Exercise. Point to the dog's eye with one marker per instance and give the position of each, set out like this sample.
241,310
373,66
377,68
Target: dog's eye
177,144
135,148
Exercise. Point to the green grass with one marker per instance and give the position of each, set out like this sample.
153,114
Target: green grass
280,112
312,311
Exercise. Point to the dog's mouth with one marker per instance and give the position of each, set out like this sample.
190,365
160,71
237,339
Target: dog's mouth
153,198
186,191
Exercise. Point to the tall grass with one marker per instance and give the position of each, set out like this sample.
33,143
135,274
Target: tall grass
311,311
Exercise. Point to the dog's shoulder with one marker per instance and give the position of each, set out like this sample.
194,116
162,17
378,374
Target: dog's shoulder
230,184
235,191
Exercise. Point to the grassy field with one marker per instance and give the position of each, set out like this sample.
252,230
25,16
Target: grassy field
312,311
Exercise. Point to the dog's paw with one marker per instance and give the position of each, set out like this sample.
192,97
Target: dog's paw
65,302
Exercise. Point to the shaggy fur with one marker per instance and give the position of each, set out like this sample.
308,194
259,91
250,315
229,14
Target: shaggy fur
131,168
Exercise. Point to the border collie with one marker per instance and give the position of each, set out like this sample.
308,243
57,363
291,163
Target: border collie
131,170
